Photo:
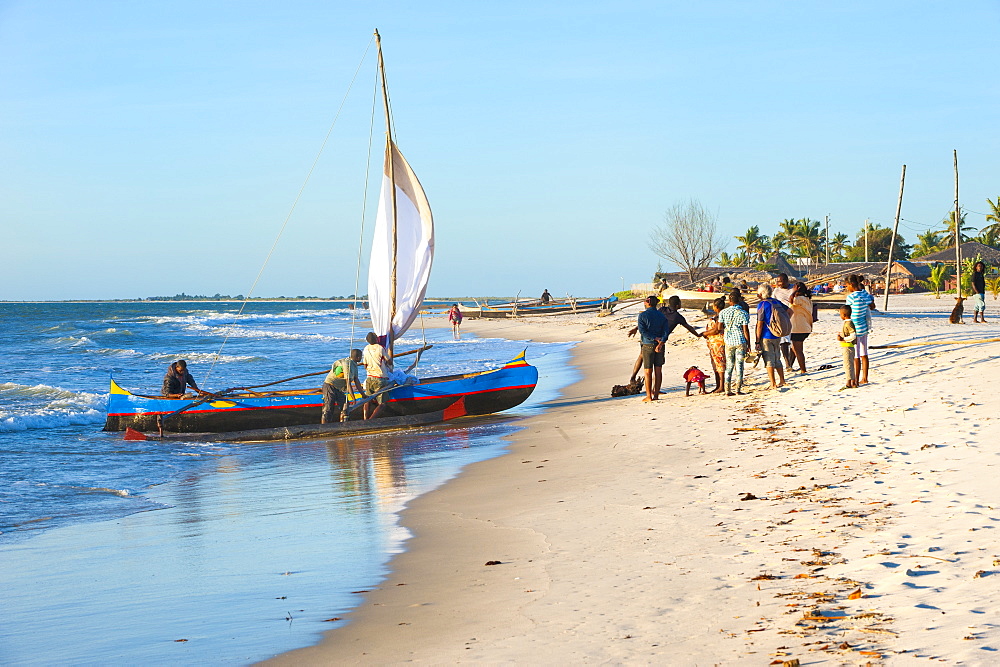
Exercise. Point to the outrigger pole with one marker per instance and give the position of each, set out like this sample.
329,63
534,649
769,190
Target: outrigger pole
392,191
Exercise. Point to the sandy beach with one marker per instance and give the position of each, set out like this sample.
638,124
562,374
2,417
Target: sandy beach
811,524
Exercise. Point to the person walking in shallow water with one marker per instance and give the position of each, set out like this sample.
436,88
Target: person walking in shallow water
340,381
455,317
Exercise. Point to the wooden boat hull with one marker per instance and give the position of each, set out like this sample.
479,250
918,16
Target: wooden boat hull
484,392
353,428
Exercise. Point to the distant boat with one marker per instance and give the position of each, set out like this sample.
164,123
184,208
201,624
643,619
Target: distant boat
399,268
537,307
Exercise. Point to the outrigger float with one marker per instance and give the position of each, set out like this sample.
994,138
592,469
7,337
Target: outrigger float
400,264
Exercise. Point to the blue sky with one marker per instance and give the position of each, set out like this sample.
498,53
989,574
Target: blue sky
156,148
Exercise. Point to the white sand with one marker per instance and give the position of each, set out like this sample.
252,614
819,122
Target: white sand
622,534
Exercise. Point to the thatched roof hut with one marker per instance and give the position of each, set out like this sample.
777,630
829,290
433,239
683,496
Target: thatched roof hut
970,249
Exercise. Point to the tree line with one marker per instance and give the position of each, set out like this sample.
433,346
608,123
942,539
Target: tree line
690,239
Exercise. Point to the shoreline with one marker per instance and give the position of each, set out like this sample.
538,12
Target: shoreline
438,517
711,529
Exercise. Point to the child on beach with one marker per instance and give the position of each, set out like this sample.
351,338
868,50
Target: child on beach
694,375
847,336
716,344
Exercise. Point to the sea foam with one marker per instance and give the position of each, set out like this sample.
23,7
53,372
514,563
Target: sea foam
45,406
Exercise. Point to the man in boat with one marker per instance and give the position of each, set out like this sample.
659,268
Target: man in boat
177,380
340,381
378,364
545,298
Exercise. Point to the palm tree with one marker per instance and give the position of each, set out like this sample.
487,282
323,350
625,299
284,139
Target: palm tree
993,285
949,229
992,217
928,242
806,238
783,239
936,281
838,246
753,244
989,235
724,259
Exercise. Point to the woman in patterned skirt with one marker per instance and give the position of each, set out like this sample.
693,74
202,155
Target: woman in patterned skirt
716,344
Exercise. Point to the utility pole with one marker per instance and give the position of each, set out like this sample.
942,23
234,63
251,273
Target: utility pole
828,238
958,235
866,240
892,240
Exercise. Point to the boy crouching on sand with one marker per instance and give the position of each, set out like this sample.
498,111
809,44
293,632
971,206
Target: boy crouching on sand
847,336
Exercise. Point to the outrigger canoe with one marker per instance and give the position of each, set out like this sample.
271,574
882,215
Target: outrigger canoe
530,308
483,392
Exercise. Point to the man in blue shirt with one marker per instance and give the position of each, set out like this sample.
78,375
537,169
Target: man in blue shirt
652,328
768,344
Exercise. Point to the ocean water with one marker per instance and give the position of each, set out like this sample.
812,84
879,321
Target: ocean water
211,552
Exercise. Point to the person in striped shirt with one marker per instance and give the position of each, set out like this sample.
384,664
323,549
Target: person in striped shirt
861,303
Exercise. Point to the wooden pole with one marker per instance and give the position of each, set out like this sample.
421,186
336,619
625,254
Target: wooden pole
392,191
892,240
827,239
958,234
866,240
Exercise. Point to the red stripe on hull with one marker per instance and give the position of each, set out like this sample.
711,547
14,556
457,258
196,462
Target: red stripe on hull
227,410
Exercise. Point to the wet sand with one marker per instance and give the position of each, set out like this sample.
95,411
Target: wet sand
835,527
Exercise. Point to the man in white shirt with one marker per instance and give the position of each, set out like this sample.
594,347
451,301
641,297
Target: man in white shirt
377,364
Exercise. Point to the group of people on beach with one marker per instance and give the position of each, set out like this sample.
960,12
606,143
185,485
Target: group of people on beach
783,321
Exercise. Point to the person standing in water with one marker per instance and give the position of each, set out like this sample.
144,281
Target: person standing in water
455,317
377,364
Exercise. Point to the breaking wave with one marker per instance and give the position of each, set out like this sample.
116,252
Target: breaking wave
203,319
45,406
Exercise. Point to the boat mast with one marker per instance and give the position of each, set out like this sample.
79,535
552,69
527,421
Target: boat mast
392,191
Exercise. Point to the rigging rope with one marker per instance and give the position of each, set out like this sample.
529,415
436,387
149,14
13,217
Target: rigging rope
364,212
291,210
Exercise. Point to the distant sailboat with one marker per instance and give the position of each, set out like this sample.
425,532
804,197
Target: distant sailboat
399,269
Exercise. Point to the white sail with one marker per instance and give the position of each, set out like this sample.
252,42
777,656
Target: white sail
414,249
